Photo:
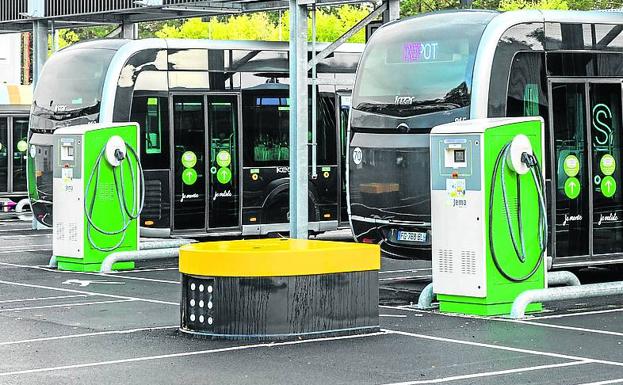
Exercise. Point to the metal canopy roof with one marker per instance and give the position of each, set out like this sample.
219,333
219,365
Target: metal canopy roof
17,15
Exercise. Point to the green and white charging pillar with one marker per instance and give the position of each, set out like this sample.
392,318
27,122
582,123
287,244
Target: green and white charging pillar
489,219
98,194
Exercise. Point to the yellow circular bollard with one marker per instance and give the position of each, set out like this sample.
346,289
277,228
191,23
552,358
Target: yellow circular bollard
275,289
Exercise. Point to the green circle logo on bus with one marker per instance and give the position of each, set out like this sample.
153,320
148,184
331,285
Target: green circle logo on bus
22,146
607,164
571,165
189,176
572,188
608,186
223,158
223,175
189,159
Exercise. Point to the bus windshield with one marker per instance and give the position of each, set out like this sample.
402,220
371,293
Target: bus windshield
72,81
420,65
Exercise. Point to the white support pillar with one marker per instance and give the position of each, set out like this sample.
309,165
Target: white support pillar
40,48
129,31
393,11
299,167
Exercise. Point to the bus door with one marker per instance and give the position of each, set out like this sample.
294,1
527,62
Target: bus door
588,200
205,159
343,112
223,161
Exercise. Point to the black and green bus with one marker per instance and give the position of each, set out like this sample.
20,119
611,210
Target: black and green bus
416,73
214,118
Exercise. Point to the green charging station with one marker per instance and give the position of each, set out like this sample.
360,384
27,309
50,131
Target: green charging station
489,219
97,194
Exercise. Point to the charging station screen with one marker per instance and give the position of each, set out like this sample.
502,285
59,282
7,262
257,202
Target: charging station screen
459,156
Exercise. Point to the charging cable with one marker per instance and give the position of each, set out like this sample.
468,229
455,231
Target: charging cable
128,212
532,163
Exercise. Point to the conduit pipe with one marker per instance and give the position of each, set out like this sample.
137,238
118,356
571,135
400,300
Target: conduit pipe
137,255
554,278
563,293
149,245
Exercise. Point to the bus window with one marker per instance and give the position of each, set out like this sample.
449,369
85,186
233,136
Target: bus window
419,66
266,125
609,37
4,168
152,114
526,95
326,134
20,148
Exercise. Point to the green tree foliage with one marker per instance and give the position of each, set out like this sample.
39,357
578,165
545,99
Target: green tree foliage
413,7
513,5
330,24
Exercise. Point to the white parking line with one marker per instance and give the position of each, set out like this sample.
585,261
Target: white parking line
393,315
533,321
89,293
186,354
578,314
506,348
605,382
404,270
114,332
48,269
563,327
26,250
65,305
491,374
144,270
405,277
43,298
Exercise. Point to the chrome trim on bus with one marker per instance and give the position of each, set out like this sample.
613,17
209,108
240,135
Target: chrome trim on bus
150,232
264,229
387,221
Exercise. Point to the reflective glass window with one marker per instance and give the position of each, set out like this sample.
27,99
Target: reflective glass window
152,114
20,152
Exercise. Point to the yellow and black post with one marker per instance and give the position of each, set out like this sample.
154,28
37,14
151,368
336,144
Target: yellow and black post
279,289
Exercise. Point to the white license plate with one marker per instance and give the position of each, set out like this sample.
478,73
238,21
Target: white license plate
411,236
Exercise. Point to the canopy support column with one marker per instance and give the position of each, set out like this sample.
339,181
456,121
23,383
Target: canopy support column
298,121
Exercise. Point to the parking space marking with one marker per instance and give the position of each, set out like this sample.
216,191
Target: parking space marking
89,293
393,315
605,382
492,374
44,298
405,277
506,348
404,270
65,305
55,271
25,250
144,270
564,327
533,322
578,314
188,354
92,334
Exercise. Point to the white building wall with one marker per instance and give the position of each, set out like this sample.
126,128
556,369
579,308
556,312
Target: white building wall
10,58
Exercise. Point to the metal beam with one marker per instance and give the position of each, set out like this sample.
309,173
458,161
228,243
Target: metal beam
298,121
347,35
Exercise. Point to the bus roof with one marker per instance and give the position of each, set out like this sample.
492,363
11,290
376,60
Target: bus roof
136,45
